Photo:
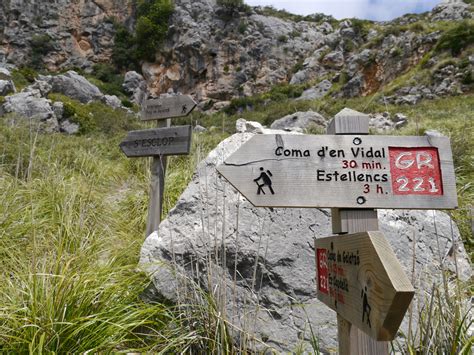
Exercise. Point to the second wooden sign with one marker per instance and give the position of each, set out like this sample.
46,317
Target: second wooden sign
160,141
359,277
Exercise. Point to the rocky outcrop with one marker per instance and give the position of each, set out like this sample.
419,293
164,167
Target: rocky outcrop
259,263
316,92
135,86
300,121
217,56
74,86
451,11
33,102
67,33
31,105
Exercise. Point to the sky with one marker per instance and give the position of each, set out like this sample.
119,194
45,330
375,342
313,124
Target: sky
379,10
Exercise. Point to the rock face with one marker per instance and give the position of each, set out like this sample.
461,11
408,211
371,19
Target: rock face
216,55
75,33
257,51
259,263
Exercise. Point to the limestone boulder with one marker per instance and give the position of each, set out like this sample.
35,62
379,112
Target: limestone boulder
74,86
31,105
300,121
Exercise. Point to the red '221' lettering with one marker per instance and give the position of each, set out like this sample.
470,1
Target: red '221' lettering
415,171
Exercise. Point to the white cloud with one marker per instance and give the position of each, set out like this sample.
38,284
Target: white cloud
369,9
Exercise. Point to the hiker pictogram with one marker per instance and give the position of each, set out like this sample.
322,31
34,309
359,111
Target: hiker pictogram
365,306
265,178
184,109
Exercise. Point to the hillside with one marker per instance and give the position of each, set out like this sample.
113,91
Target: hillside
72,221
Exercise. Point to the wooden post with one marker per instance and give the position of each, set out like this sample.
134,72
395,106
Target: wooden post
157,186
352,340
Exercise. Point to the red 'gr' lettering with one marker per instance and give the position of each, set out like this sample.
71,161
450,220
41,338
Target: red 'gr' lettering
415,171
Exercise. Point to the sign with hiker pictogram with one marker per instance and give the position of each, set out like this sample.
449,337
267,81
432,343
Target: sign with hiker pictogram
359,277
167,107
344,171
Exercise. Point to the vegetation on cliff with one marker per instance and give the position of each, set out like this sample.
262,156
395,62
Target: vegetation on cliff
152,17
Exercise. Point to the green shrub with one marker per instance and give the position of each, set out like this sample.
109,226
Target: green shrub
28,73
361,27
468,78
231,4
298,66
109,80
457,38
282,39
95,117
124,54
151,29
294,34
243,26
127,103
285,15
396,52
40,46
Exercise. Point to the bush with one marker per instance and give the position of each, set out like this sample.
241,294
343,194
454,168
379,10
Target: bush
124,54
40,46
110,80
231,4
95,116
457,38
150,31
361,27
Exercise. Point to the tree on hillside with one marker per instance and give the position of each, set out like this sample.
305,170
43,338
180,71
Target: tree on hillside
231,4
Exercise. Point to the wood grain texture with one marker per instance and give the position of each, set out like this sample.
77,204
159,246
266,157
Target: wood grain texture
167,107
356,342
366,284
347,220
349,122
160,141
157,187
300,179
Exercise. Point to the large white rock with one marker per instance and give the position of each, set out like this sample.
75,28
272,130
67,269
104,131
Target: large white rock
74,85
259,263
30,104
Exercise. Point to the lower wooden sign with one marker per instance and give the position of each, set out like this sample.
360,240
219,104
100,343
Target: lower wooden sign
159,141
359,277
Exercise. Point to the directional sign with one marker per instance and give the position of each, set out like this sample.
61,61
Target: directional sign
359,277
160,141
167,107
344,171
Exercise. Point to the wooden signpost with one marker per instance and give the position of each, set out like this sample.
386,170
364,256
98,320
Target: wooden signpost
167,107
158,143
344,171
161,141
361,279
353,173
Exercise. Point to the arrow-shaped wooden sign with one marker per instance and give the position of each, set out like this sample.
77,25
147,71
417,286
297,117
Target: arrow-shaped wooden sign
167,107
360,278
160,141
344,171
